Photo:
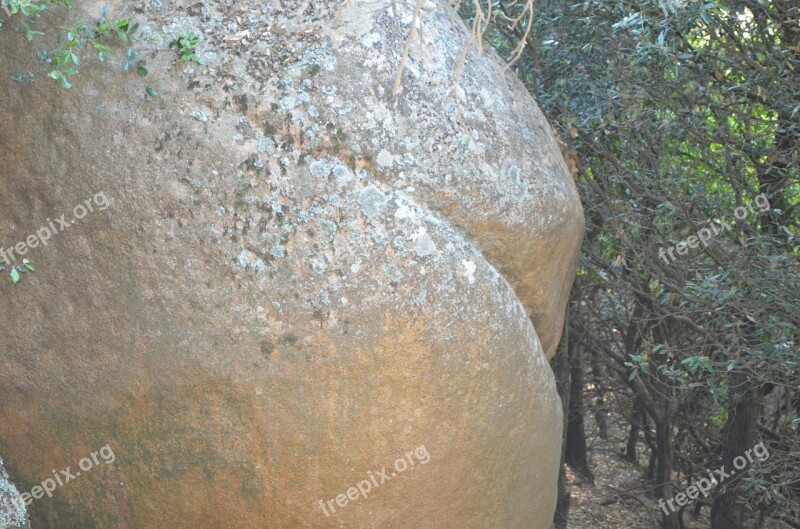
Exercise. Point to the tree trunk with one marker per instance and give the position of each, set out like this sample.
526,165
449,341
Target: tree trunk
638,423
560,364
562,506
664,470
576,454
726,513
599,378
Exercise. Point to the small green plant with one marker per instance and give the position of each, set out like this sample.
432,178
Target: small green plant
28,8
98,36
15,271
66,59
187,44
133,60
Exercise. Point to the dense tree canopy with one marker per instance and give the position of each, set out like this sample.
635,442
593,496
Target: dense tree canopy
683,122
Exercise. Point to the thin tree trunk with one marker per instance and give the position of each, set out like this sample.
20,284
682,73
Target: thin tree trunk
560,365
726,512
631,454
561,516
599,378
576,452
664,469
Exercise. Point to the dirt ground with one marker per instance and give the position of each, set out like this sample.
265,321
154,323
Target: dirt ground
620,495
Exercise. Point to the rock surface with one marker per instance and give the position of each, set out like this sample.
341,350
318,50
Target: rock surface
289,279
13,514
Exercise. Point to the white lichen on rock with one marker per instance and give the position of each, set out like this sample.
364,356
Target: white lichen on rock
372,201
13,514
469,270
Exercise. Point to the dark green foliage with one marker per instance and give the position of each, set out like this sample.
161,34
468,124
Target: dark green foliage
677,114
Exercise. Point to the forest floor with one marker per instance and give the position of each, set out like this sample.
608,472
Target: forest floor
620,495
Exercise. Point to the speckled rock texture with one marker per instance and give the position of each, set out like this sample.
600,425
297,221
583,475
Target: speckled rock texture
13,514
299,278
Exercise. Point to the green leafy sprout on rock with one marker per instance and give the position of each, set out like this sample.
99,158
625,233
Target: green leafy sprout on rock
100,36
74,40
15,271
187,44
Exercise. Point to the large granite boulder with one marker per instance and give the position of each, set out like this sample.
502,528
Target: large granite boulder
279,281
